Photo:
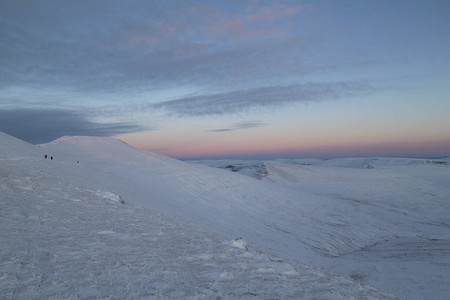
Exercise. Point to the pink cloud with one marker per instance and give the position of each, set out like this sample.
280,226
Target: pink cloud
155,33
271,21
271,13
234,25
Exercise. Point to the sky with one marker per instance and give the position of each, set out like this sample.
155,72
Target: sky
231,79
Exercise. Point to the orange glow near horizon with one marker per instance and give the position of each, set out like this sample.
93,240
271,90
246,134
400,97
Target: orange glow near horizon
273,144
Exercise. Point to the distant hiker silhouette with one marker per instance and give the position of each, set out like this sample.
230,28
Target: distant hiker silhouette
51,157
45,156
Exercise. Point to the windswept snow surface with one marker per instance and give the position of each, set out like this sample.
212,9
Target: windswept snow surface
390,232
335,214
244,167
62,240
411,202
407,199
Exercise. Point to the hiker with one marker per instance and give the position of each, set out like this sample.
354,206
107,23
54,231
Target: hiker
45,156
51,157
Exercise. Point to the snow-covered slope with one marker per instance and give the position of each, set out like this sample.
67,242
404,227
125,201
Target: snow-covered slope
64,235
13,148
375,162
335,214
243,167
328,217
411,201
287,221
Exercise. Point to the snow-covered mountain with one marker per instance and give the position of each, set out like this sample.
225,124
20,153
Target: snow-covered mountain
177,233
254,168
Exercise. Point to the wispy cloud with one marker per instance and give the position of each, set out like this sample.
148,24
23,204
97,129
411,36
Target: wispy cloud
221,130
247,125
268,21
241,126
271,96
138,47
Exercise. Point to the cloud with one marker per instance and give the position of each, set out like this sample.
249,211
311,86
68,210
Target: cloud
271,96
140,47
272,21
240,126
221,130
42,126
221,58
246,125
276,11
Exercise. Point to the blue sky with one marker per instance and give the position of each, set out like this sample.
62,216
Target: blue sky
230,78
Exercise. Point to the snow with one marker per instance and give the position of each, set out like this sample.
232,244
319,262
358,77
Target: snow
376,162
409,202
12,148
62,239
387,226
190,231
240,243
244,167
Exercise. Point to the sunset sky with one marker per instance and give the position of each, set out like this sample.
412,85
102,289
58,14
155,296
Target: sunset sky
231,79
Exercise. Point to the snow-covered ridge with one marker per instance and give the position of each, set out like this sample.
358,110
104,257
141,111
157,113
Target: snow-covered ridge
75,146
10,147
201,194
379,162
351,221
251,167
